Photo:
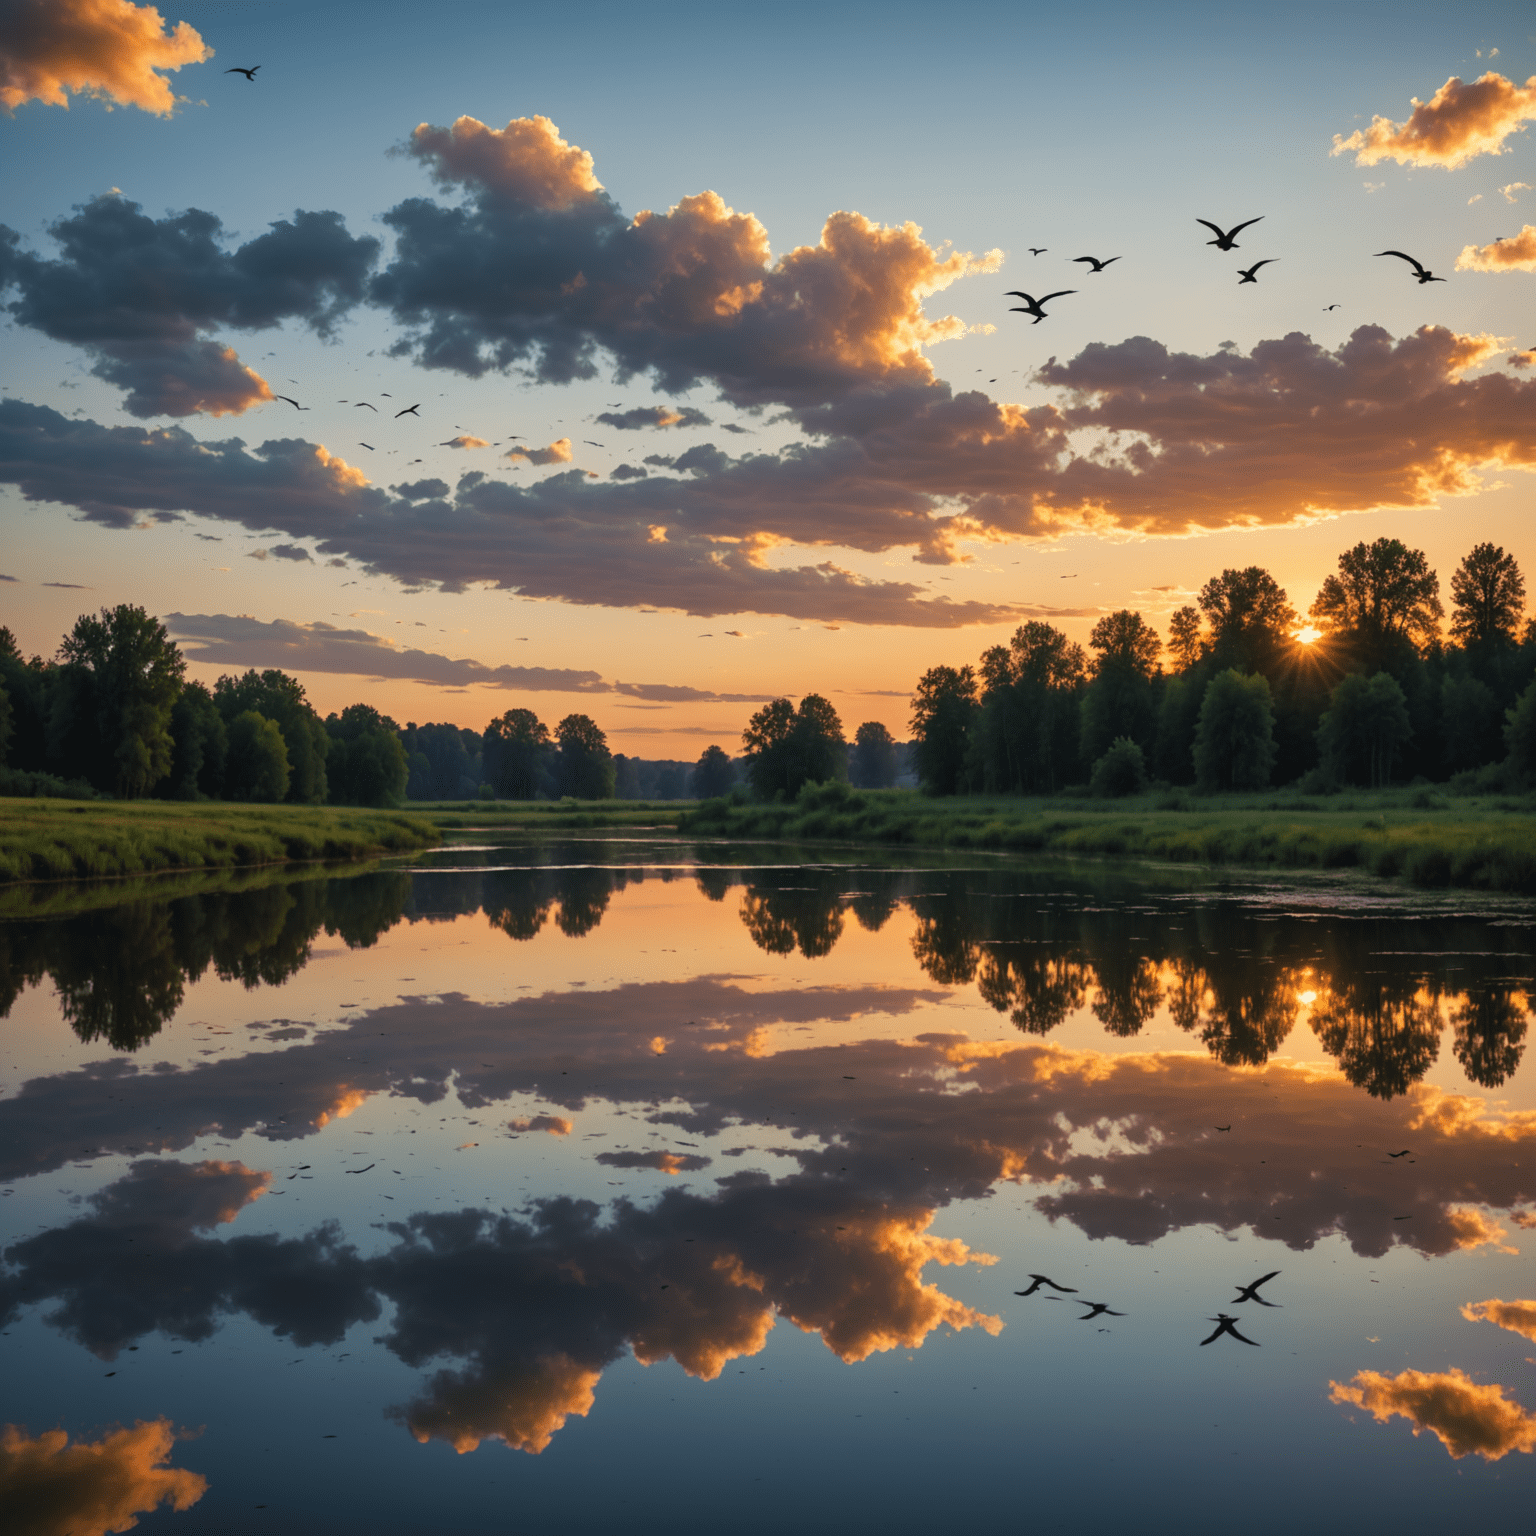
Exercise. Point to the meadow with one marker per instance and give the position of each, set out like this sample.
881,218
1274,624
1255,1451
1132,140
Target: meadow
95,839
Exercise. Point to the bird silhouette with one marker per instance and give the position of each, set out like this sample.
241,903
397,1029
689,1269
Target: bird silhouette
1424,274
291,401
1403,1153
1223,1127
1327,307
250,74
590,444
1227,241
1097,265
1036,1281
1251,274
368,446
410,410
1038,250
1033,306
1250,1292
1225,1324
365,404
1097,1309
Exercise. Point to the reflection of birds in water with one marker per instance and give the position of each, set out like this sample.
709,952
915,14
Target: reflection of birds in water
1097,265
1227,241
1251,274
1424,274
1223,1127
1036,1281
250,74
1251,1292
410,410
1097,1309
1403,1153
1225,1324
1032,306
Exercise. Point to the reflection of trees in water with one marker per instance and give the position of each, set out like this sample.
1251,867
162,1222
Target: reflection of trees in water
783,920
1382,1032
1036,989
1489,1040
1241,1006
118,975
1128,993
519,901
947,943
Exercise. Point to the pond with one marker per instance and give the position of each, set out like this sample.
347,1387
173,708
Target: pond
664,1185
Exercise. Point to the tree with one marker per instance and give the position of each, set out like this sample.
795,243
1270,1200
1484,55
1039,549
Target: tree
1122,770
713,775
1469,716
445,762
127,676
281,699
258,759
5,723
1186,641
1383,593
874,757
366,762
1365,724
786,747
516,748
943,709
1520,732
27,685
1250,617
1488,597
584,766
1025,736
1235,734
1119,701
201,747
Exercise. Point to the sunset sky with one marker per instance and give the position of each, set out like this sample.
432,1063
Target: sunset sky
730,285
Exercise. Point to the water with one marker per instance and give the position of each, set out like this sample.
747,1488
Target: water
632,1183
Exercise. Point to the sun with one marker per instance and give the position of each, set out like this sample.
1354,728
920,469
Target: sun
1308,635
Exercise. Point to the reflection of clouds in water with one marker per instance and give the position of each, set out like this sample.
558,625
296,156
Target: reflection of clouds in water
51,1488
1518,1316
556,1125
1468,1419
661,1162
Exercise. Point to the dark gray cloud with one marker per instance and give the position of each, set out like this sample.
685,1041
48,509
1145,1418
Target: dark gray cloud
642,416
626,472
142,294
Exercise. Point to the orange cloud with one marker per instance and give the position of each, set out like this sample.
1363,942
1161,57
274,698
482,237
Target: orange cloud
527,160
1518,1316
525,1411
1514,255
109,49
1456,124
1468,1419
467,440
51,1488
556,1125
558,452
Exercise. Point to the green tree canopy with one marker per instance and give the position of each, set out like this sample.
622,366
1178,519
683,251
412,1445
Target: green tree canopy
1186,637
201,747
257,767
282,700
943,710
517,748
584,765
786,747
712,774
366,762
1488,598
1125,642
1365,725
873,765
1383,593
1235,733
1250,617
1120,700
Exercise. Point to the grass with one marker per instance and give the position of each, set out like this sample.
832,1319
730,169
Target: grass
1483,843
96,839
547,815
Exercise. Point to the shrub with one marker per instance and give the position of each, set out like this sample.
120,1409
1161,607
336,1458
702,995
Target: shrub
1122,770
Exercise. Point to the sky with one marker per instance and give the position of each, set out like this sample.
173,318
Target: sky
719,391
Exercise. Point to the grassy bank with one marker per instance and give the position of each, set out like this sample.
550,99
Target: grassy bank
1427,839
548,815
93,839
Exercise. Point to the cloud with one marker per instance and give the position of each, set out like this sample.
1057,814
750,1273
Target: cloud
109,49
1458,123
661,1162
1511,193
654,416
556,1125
1517,254
466,440
627,472
281,552
539,268
1466,1418
558,452
52,1488
142,293
238,641
1518,1316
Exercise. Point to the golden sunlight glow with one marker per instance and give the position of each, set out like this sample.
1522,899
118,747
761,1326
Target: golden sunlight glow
1308,635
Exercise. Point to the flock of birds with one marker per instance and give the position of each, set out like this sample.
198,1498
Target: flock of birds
1226,240
1226,1322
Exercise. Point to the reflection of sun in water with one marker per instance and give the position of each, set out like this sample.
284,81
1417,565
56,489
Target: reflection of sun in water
1306,997
1308,635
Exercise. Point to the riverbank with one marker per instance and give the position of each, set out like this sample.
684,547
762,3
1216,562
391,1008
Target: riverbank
94,839
1421,836
549,815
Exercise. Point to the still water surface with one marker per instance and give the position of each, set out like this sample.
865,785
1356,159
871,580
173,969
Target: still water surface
664,1186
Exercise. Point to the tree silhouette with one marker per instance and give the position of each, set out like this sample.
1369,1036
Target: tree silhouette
1235,733
1488,598
873,765
1250,617
516,746
943,709
1383,593
584,767
712,774
1489,1038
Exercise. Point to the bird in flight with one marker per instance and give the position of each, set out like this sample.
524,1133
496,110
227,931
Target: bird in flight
1227,241
1223,1127
1403,1153
1327,307
1424,274
1038,250
1036,1281
250,74
410,410
1251,1292
1097,1309
373,408
590,444
1251,274
1033,306
368,446
291,401
1225,1324
1097,265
